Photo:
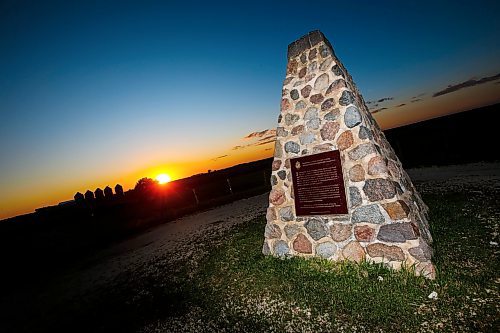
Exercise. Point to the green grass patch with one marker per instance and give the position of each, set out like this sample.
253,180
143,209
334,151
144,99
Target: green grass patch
269,292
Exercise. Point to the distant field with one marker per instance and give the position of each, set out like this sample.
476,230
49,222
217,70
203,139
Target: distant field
223,284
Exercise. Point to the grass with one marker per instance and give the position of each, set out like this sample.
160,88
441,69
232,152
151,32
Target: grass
231,286
239,289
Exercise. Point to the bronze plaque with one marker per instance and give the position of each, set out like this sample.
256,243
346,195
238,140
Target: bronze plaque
318,184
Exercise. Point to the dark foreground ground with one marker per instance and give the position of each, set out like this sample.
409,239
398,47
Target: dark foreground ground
205,273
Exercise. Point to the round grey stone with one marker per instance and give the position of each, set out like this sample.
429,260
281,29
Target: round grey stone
321,82
272,231
292,147
332,115
361,151
422,252
324,51
300,105
365,133
312,67
396,233
281,248
291,118
311,113
352,117
325,64
291,230
282,174
368,213
286,214
327,104
337,70
326,249
379,189
281,132
355,196
294,94
313,124
346,98
316,228
307,138
274,180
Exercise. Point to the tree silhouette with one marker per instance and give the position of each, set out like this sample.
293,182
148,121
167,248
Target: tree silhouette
108,192
145,185
119,190
99,194
79,198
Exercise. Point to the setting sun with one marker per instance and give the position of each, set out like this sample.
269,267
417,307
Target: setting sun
163,178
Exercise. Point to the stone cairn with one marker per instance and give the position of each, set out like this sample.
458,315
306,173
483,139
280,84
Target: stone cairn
322,110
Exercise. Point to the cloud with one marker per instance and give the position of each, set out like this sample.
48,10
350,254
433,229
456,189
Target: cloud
260,142
219,157
400,105
265,141
385,99
466,84
259,139
377,110
416,100
419,95
260,134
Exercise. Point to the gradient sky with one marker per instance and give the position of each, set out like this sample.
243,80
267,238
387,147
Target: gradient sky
103,92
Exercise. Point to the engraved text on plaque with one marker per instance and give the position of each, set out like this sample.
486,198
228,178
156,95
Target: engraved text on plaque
318,184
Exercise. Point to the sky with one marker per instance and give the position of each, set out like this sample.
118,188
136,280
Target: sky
96,93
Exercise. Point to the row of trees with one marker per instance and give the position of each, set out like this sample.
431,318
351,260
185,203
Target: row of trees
99,194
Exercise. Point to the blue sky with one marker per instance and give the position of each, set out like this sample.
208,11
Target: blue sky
101,91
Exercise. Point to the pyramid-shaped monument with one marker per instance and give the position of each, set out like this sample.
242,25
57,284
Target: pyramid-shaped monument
338,189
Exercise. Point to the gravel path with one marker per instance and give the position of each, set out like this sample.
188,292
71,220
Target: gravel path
175,241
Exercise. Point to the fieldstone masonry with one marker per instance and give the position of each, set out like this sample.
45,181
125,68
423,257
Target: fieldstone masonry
322,110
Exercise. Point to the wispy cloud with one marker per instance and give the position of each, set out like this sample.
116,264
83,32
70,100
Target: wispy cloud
418,96
466,84
258,139
416,100
377,110
385,99
265,140
260,134
219,157
400,105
